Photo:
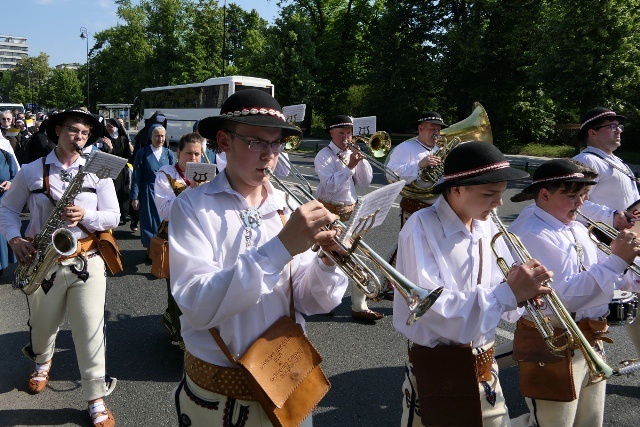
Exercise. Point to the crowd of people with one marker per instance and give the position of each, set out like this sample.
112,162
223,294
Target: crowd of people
242,258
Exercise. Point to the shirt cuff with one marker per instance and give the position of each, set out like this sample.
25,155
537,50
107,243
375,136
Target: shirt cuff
505,296
615,263
275,251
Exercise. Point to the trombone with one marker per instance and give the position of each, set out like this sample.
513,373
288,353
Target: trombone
379,145
598,368
418,299
607,232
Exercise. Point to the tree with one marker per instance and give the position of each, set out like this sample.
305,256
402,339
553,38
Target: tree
63,90
28,78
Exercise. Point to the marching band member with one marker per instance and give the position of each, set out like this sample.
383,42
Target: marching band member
449,244
235,251
601,129
414,154
171,182
585,279
340,171
77,284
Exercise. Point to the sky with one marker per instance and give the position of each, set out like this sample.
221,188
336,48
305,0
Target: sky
53,26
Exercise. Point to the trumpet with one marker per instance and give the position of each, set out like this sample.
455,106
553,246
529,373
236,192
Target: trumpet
598,368
607,232
379,145
418,299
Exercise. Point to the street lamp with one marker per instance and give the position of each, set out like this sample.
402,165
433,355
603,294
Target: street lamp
232,30
84,34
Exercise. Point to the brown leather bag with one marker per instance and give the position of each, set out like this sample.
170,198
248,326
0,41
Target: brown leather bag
542,374
283,368
110,251
159,254
447,385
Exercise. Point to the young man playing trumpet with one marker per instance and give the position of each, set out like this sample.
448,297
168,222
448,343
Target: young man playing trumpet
340,170
585,280
449,244
238,255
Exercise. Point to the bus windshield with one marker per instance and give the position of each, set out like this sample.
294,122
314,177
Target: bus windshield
184,105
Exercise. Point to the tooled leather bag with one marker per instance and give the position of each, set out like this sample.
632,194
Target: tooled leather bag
283,368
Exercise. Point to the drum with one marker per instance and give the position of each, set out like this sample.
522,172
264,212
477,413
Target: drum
623,308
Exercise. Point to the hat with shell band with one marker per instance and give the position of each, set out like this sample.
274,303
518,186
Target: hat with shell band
557,170
59,119
340,122
595,117
431,117
475,163
250,107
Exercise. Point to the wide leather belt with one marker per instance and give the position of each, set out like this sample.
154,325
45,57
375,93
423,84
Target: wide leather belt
343,211
592,329
222,380
483,362
412,205
85,245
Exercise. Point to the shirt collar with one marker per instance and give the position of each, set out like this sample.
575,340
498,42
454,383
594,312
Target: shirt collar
53,159
452,224
333,147
553,222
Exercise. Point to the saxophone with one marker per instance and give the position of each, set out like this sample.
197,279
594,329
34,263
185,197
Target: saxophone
53,241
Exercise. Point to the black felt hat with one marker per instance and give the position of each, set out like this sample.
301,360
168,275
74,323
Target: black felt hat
431,117
592,118
557,170
475,163
340,121
251,107
58,119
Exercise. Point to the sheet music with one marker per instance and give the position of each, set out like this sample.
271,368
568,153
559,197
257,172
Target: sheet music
105,165
200,172
372,209
294,113
634,212
364,125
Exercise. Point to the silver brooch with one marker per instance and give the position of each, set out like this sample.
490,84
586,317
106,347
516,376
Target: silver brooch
251,219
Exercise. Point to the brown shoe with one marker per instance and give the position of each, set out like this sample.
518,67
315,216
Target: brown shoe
36,386
108,422
367,315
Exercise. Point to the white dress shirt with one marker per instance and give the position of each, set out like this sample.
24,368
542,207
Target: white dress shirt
102,211
218,282
614,191
337,182
163,190
436,249
404,159
588,291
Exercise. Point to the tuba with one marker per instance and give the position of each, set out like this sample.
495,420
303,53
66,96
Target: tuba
476,127
598,368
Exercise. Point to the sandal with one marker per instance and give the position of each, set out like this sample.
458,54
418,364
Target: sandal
39,377
100,415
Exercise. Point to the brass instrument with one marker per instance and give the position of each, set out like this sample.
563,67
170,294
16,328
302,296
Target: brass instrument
476,127
418,299
607,232
379,145
598,368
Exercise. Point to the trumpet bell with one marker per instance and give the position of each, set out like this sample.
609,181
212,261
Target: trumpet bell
379,144
419,301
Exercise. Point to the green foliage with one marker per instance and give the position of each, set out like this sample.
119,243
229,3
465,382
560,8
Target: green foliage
545,150
64,89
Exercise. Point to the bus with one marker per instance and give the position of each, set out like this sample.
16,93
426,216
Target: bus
183,105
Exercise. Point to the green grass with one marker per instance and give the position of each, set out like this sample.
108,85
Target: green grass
545,150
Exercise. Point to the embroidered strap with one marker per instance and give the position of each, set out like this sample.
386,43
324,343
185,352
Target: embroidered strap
216,335
613,165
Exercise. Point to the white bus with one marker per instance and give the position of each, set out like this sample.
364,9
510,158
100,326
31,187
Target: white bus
183,105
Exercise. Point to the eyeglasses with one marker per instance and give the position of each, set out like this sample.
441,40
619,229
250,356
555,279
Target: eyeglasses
75,131
6,119
258,145
614,127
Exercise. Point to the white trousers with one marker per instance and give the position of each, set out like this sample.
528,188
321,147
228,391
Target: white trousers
496,415
84,304
198,407
585,411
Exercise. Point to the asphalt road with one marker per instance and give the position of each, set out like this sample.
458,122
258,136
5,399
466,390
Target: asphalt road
363,362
